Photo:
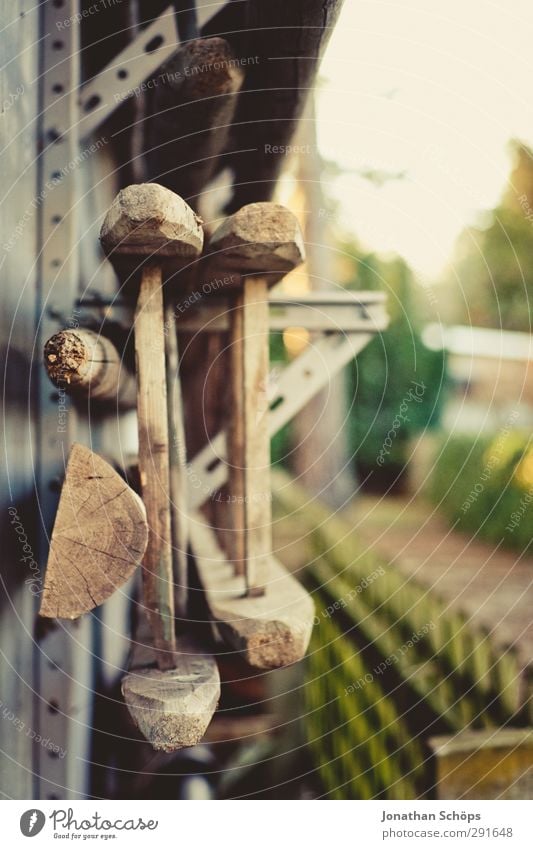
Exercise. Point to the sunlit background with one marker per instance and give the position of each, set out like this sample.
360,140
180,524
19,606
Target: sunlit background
417,105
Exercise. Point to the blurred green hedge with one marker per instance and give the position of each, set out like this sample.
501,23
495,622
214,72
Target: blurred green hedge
486,486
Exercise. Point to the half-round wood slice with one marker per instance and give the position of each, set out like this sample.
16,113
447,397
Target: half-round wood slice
99,537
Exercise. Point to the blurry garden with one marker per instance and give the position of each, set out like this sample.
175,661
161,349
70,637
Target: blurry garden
418,548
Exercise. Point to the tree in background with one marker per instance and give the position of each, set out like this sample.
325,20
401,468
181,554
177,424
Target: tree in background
492,264
396,383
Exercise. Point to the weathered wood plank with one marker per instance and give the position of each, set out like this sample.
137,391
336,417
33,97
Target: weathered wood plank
249,438
270,631
152,414
99,537
86,364
177,465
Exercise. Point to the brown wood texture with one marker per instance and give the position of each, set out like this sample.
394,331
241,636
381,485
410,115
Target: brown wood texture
249,438
172,708
189,115
152,414
177,466
259,244
148,220
149,223
270,631
99,537
261,238
281,43
86,364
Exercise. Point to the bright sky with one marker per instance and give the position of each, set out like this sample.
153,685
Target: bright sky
434,90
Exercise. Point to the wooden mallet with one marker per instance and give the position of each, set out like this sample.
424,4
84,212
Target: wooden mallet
259,244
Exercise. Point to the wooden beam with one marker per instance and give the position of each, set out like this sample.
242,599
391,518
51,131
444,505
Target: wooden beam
270,631
99,537
87,365
282,43
171,708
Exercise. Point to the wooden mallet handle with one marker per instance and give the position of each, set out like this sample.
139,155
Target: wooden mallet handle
153,223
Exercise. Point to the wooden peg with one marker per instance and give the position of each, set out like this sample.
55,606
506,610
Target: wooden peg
153,223
98,540
259,244
87,365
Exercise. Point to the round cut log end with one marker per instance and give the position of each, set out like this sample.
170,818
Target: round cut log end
65,355
275,645
151,221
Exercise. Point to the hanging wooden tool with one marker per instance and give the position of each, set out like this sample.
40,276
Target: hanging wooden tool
172,705
98,540
270,623
190,115
151,223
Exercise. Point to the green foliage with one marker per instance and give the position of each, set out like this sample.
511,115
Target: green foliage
492,281
280,444
486,486
395,386
396,383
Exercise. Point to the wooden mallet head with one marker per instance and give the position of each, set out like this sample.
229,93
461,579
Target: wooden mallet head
260,239
151,221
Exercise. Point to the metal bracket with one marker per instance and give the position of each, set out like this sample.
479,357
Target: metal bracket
338,312
295,386
63,655
124,75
